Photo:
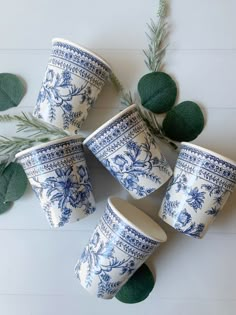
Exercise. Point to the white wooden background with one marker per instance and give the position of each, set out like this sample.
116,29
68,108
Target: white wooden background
36,263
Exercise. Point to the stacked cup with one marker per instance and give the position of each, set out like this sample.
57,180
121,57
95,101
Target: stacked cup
124,237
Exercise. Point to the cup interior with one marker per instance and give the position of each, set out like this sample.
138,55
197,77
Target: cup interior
137,219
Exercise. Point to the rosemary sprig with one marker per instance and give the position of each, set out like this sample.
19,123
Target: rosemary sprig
154,54
126,98
151,120
37,132
157,37
28,123
154,61
10,146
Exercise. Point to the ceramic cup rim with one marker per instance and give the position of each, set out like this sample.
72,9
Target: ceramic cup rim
66,41
108,122
220,156
45,144
161,239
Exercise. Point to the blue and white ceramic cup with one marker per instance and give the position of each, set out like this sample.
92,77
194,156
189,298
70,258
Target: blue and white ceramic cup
201,185
126,147
58,174
124,238
74,77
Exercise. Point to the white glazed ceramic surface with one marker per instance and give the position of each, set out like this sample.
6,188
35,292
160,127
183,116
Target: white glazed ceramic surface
74,77
124,238
202,183
58,174
125,146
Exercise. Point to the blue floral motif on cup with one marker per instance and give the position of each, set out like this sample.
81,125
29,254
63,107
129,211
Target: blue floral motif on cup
131,154
66,192
101,259
136,162
58,90
199,188
58,174
99,256
73,80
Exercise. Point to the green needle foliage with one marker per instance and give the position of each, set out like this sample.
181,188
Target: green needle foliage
125,97
28,123
157,36
37,132
13,145
155,53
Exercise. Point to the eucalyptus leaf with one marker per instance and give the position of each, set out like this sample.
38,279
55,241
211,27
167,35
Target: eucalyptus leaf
157,91
4,206
2,167
184,122
12,90
138,287
13,182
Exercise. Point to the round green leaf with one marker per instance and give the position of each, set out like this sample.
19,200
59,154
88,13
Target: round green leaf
138,287
2,167
12,90
4,206
13,182
157,91
184,122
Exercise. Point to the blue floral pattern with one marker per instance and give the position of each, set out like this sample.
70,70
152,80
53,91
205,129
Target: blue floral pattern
196,199
195,194
100,260
131,153
193,199
66,191
58,91
185,225
58,174
71,85
213,211
136,163
112,255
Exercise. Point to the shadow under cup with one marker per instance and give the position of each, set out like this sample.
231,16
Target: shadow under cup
74,77
203,181
58,174
129,151
124,238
